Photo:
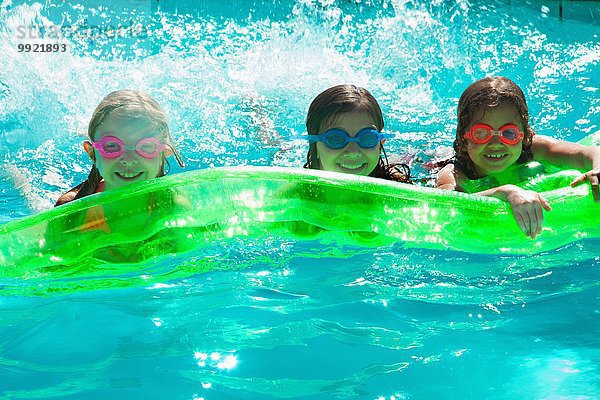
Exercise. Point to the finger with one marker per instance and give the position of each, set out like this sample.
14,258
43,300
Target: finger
539,219
530,222
519,218
578,180
545,203
595,191
527,222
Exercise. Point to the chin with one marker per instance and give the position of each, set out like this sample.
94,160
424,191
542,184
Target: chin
494,171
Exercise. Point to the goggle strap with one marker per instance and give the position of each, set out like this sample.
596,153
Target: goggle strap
177,155
306,137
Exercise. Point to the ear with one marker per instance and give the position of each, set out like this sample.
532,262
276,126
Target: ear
383,141
168,152
89,149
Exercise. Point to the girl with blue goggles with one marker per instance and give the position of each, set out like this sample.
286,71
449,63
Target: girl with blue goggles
339,112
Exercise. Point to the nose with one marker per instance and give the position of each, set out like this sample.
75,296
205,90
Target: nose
352,149
129,158
495,140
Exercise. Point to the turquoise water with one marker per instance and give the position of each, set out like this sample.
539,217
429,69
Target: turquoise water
287,319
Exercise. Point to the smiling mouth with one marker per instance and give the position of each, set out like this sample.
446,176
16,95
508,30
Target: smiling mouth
352,168
128,176
496,157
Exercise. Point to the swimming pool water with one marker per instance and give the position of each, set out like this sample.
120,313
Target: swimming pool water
288,319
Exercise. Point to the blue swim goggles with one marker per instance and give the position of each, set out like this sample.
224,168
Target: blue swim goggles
336,138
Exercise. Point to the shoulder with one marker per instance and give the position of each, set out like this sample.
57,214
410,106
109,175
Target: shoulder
546,147
543,141
449,178
67,197
447,170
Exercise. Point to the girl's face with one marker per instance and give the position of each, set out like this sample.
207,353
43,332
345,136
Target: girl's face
351,159
495,156
129,167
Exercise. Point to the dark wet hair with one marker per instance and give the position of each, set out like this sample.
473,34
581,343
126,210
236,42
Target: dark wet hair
484,94
131,103
342,99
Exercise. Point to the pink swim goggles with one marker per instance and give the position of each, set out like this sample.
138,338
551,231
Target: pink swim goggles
113,147
482,133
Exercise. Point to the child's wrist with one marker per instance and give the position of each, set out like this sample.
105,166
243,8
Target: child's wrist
507,190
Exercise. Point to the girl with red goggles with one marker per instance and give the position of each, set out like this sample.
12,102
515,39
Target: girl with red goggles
495,148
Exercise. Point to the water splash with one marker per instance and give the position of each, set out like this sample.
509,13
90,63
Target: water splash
236,83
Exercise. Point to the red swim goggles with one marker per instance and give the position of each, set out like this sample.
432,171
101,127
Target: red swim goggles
482,133
113,147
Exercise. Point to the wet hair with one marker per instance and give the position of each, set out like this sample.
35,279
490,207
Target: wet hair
123,103
342,99
485,94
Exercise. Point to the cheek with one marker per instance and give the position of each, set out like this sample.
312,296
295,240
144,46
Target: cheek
473,149
519,148
374,153
473,153
153,165
321,149
325,154
103,163
104,166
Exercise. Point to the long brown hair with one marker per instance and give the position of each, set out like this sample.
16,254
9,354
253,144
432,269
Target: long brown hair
484,94
341,99
131,103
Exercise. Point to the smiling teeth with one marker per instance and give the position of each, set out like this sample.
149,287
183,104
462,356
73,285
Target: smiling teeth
351,166
128,174
495,155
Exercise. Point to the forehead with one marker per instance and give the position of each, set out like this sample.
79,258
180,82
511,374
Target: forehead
351,122
497,116
127,127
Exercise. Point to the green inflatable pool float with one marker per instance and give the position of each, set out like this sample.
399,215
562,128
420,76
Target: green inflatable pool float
194,209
